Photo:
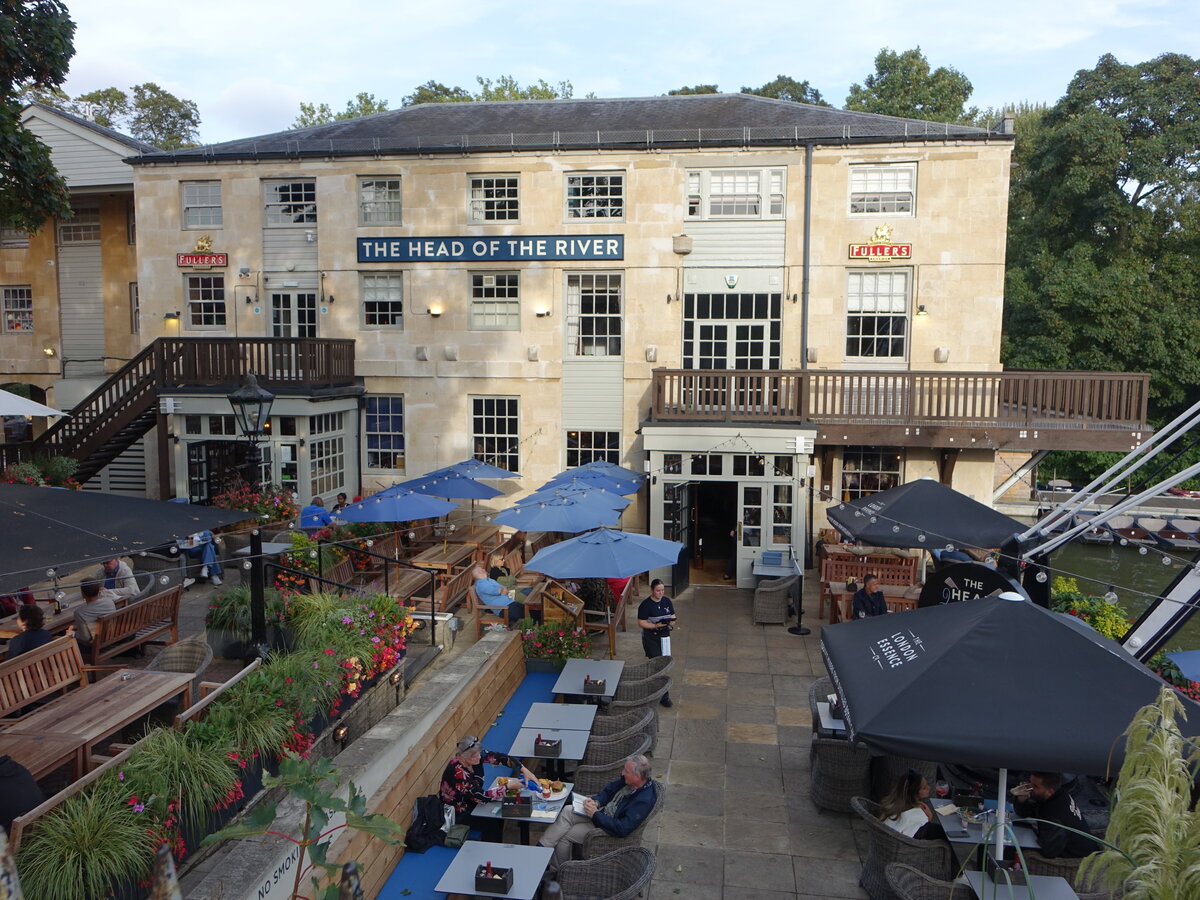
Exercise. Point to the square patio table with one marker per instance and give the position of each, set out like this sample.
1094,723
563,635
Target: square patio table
574,743
571,679
561,716
1020,834
1044,887
269,548
545,812
828,722
528,865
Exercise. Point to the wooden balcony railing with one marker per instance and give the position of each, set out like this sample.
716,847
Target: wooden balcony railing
278,362
1018,399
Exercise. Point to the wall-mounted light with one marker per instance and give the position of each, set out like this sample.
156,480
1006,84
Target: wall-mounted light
396,677
434,311
669,299
921,311
795,297
541,313
330,298
171,315
340,733
300,442
49,352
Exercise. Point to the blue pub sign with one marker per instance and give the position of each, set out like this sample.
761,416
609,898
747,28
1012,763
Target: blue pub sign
516,248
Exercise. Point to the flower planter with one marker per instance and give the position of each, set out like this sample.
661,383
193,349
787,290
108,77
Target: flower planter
227,644
543,665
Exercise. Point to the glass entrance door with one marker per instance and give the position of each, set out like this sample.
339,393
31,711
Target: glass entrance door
750,527
294,314
677,526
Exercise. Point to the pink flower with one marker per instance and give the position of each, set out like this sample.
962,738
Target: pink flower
347,620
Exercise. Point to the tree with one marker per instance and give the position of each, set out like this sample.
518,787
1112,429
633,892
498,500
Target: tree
697,89
436,92
35,50
903,85
108,107
1104,229
363,104
507,88
785,88
160,118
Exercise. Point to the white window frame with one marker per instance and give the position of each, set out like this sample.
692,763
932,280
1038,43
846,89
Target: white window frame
868,297
82,228
483,204
489,309
299,210
589,334
883,189
202,209
135,309
374,209
591,445
493,444
746,194
17,303
857,481
326,464
14,239
594,195
386,289
388,435
199,290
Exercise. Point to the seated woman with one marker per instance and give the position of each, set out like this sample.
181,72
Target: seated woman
33,635
462,784
906,809
492,593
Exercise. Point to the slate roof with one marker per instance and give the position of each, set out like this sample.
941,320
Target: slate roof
110,133
701,120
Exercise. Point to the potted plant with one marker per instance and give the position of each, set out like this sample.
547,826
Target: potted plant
228,619
548,646
267,506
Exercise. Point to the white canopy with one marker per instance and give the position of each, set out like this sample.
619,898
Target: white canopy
13,405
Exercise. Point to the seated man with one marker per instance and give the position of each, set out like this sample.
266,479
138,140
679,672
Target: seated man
1043,797
868,599
315,515
117,581
95,606
619,809
492,593
203,546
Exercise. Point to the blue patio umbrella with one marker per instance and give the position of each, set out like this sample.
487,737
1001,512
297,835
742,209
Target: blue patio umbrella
558,514
605,468
588,477
473,468
578,491
1188,662
452,487
396,506
605,554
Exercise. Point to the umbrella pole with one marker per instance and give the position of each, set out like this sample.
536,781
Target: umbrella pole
1001,809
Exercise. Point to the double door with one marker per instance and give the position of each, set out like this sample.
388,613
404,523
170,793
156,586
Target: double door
294,314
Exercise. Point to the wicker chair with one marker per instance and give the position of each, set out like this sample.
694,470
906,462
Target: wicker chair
909,884
660,665
620,875
631,695
886,845
187,656
598,842
771,599
603,761
161,564
886,771
840,771
622,725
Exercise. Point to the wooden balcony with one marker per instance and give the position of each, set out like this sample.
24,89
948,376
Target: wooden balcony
1013,409
280,363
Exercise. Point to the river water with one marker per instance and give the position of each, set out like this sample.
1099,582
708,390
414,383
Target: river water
1132,574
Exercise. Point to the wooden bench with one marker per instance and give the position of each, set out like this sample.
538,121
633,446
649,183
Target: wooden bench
560,605
453,589
606,620
899,598
137,624
841,569
52,668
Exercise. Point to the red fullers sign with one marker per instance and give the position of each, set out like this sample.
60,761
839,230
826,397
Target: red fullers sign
880,252
206,260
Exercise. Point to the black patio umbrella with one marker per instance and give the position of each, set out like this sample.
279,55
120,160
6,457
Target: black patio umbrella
43,528
925,514
992,682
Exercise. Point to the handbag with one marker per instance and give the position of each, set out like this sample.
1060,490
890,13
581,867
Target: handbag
457,835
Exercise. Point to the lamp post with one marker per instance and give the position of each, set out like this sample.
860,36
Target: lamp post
252,409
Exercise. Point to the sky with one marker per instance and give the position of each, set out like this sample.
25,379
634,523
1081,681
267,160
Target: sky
248,64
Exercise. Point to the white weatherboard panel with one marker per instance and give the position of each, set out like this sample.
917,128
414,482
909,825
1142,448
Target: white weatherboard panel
592,394
81,305
736,244
81,161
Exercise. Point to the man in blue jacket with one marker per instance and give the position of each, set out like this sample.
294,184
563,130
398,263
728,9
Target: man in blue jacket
619,809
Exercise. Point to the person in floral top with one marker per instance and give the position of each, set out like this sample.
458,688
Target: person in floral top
462,784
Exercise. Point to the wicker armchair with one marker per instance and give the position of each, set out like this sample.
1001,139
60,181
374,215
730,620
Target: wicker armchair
160,564
187,656
634,721
598,842
660,665
886,771
603,761
840,771
631,695
886,845
620,875
909,884
771,599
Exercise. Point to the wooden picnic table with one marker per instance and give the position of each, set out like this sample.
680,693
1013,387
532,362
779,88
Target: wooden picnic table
94,712
43,752
444,556
56,623
406,583
485,537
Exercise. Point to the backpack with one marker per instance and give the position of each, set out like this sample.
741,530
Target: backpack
428,825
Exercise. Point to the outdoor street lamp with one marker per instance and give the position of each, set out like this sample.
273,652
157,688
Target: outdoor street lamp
252,409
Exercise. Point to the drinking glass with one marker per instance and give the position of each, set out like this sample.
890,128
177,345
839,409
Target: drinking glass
942,789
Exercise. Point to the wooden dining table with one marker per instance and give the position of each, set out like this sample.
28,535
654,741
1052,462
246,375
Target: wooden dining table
92,713
486,537
444,556
43,752
56,623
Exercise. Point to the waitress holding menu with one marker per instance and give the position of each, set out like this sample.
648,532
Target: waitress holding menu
655,616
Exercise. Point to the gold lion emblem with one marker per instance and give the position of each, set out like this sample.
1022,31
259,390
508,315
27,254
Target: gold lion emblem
204,244
882,235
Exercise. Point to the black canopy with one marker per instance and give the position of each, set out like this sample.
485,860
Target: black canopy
43,528
990,682
925,514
